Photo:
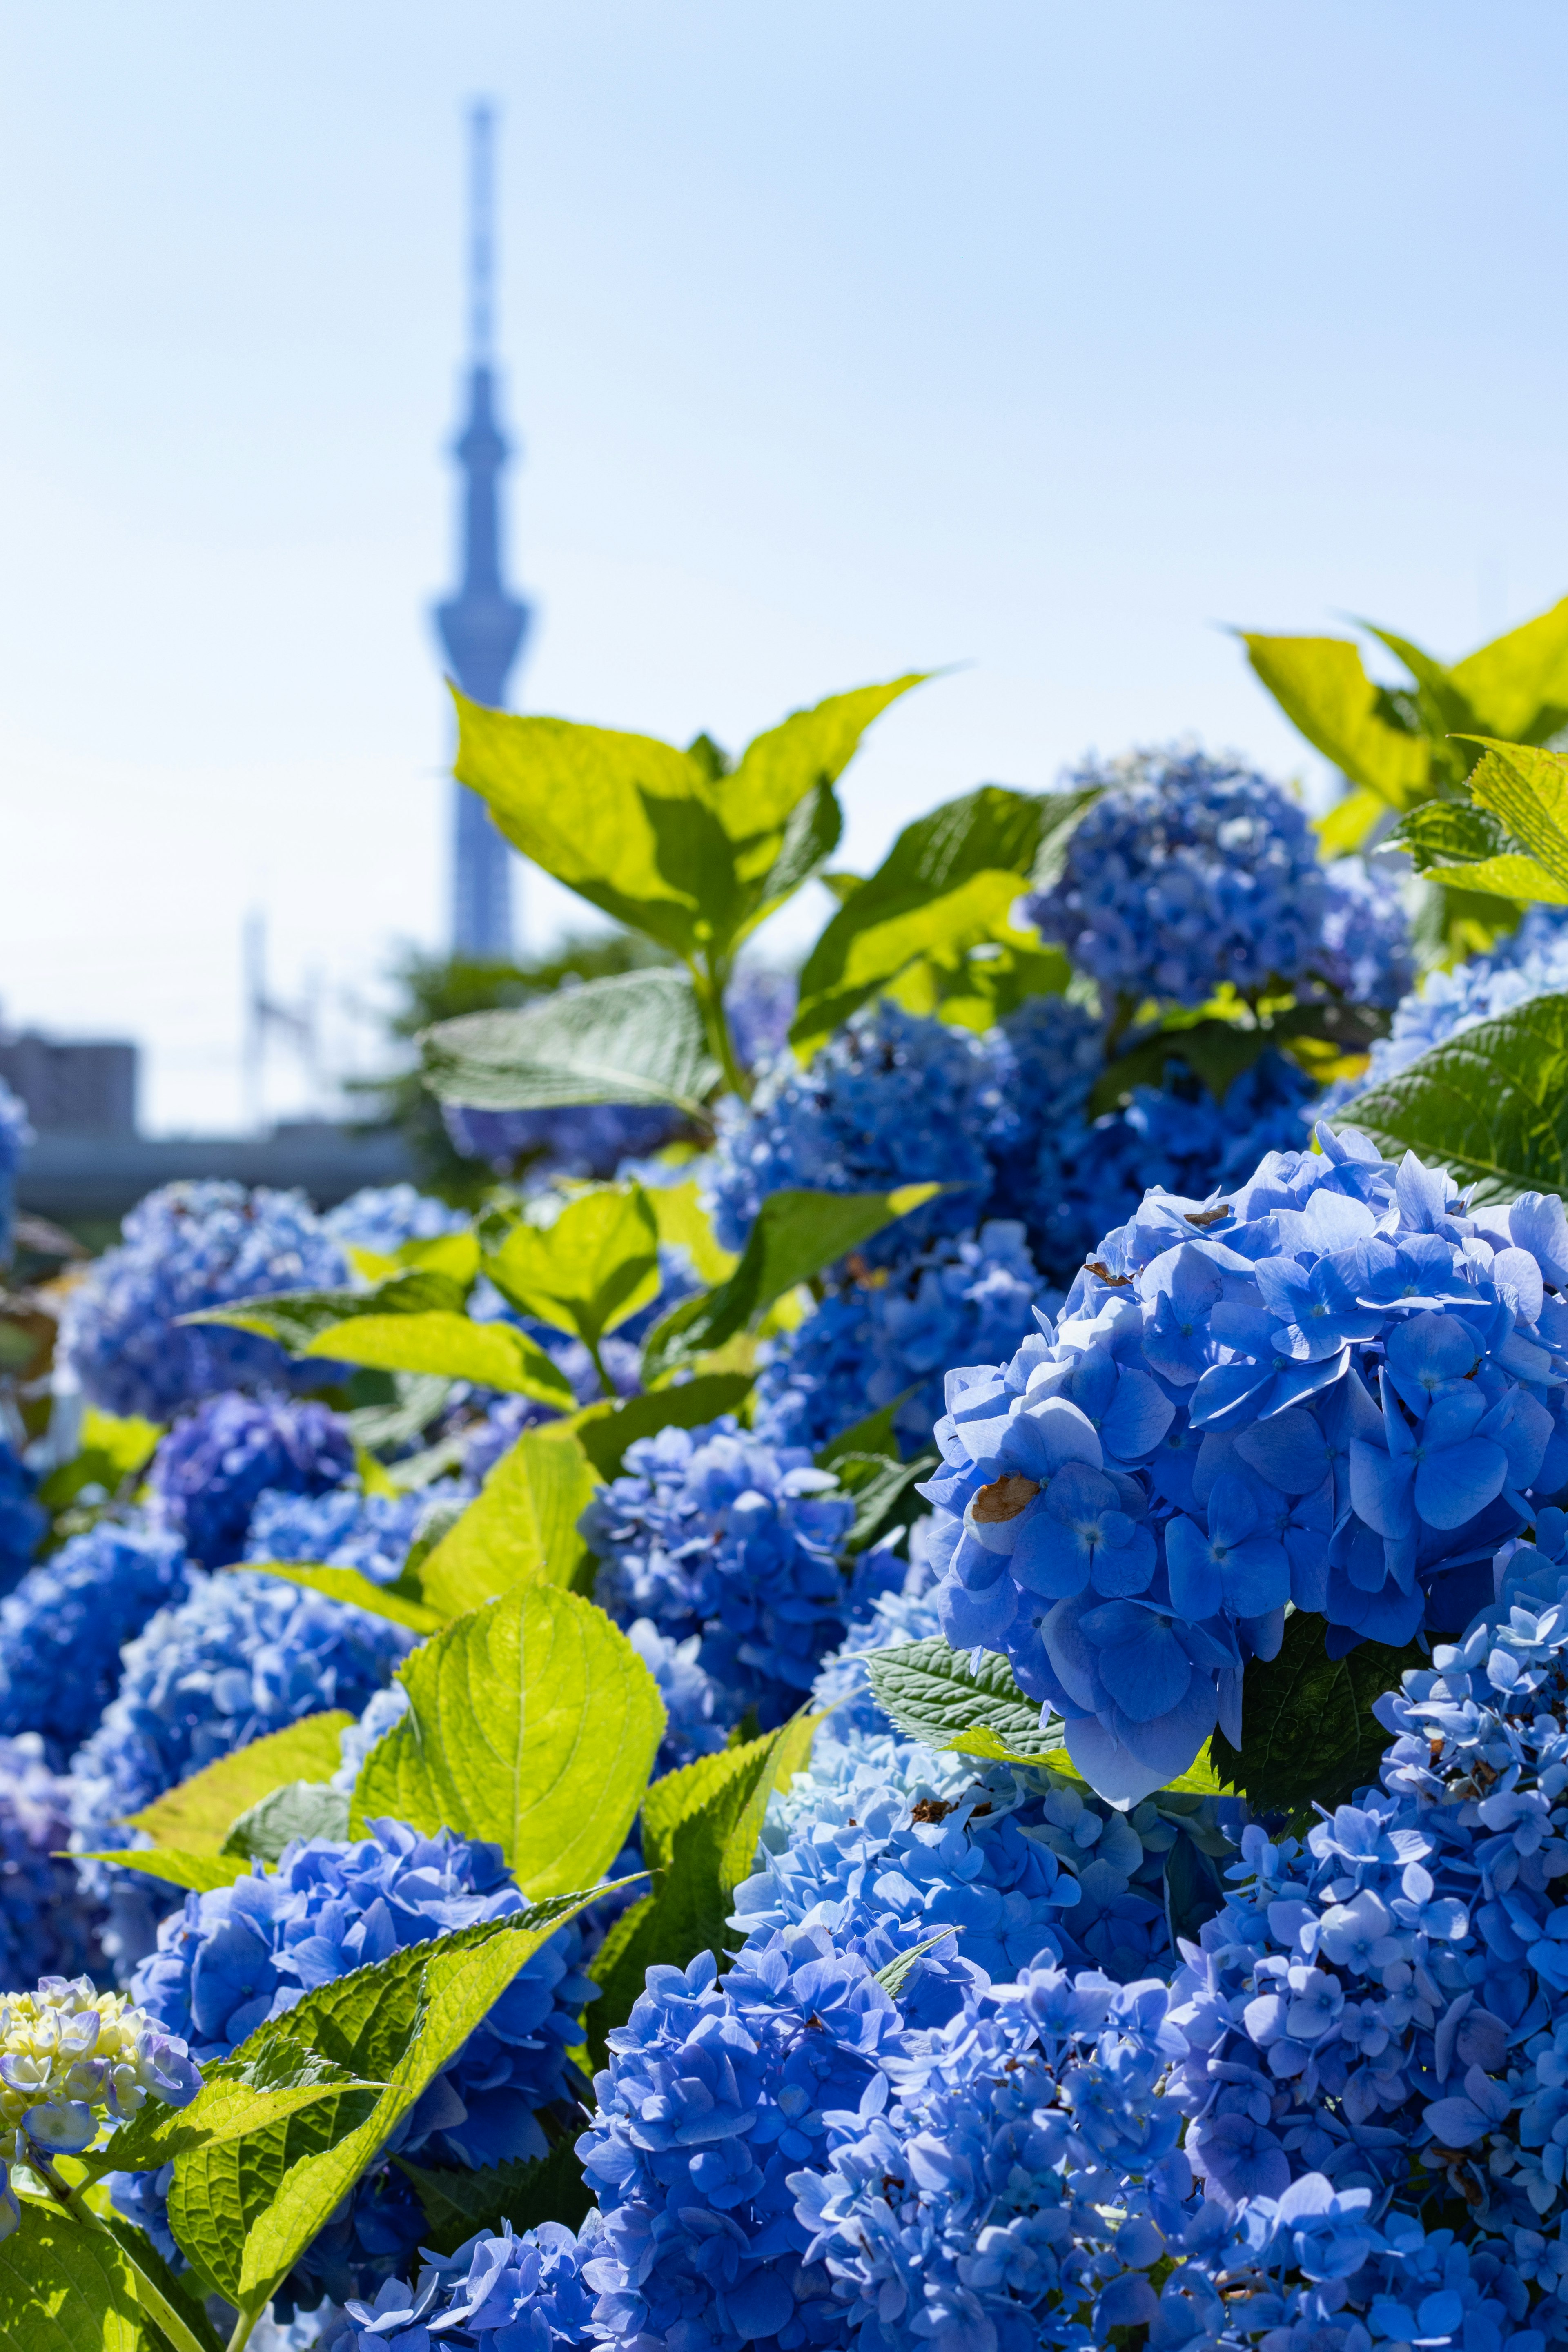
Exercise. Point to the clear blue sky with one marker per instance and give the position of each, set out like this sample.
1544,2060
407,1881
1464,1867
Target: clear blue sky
839,340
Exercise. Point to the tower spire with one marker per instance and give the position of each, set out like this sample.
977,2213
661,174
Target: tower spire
481,628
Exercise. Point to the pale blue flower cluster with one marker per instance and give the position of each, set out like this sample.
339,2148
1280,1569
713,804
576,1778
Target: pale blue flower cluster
891,1100
1532,962
23,1520
1366,951
711,1533
1333,1387
881,1332
15,1135
189,1247
498,2292
1187,873
47,1924
234,1957
212,1468
61,1629
381,1217
345,1528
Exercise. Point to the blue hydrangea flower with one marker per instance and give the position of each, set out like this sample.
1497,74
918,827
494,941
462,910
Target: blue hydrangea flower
48,1923
61,1629
1366,951
1187,873
188,1247
1331,1387
967,1298
1532,962
383,1709
758,1005
345,1528
243,1655
239,1955
712,1532
15,1135
891,1100
210,1470
696,1707
23,1521
381,1217
585,1140
498,2292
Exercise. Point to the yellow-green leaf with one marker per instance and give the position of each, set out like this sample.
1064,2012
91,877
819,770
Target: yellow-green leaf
1518,685
682,1221
194,1817
492,1355
195,1872
590,1268
1322,688
1528,788
522,1524
532,1723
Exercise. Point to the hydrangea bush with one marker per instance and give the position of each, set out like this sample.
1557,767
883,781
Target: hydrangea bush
188,1247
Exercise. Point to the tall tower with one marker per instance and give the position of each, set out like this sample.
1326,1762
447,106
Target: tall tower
482,628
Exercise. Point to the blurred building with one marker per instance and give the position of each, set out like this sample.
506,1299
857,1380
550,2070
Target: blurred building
85,1087
481,628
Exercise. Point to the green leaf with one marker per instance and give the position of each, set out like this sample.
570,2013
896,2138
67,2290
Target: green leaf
701,1828
635,1037
594,1265
684,1224
945,884
459,2204
1490,1104
779,769
930,1691
606,1429
810,837
796,1233
532,1723
884,1492
297,1319
196,1815
1308,1733
1442,705
303,1809
197,1873
522,1525
112,1450
237,2096
242,2212
1518,685
1528,788
420,1397
896,1975
873,1434
1320,686
978,986
1218,1051
354,1590
1448,834
66,2287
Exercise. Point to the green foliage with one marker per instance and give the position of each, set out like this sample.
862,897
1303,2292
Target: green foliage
66,2287
637,1039
589,1269
239,2095
1490,1104
1308,1735
896,1975
684,1222
196,1873
112,1451
884,1492
676,845
873,1434
1217,1047
458,2204
606,1429
534,1724
197,1816
411,1322
943,888
700,1829
522,1524
301,1809
243,2210
931,1693
796,1234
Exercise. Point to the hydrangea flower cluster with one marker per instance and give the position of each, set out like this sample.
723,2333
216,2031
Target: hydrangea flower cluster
46,1922
187,1246
15,1135
712,1533
1333,1387
211,1469
234,1957
70,2059
1386,2003
23,1521
242,1655
1532,962
62,1628
965,1298
1365,951
891,1100
345,1528
758,1005
498,2292
1188,872
587,1139
381,1217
